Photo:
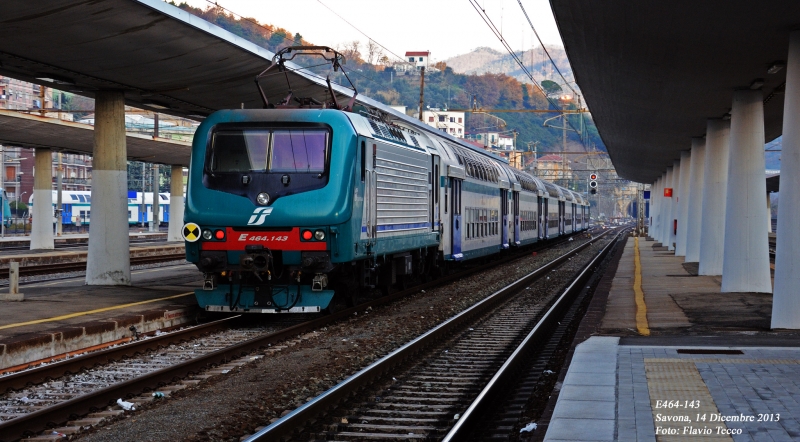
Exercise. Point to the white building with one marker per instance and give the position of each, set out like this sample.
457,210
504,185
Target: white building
446,121
419,59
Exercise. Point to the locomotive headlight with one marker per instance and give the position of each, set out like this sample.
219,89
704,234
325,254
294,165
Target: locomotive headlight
207,234
263,198
319,235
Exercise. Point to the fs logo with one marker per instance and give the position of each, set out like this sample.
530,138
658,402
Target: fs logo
259,216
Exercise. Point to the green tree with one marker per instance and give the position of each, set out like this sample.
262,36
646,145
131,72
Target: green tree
551,87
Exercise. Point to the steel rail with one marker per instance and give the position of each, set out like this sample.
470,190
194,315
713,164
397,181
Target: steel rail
28,424
464,427
329,399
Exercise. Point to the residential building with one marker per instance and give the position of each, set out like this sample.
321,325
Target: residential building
418,59
552,167
446,121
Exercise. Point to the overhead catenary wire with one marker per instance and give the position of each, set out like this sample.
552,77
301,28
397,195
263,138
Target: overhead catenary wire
286,39
566,83
499,35
361,32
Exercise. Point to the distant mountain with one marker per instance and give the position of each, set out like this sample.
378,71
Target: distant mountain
487,60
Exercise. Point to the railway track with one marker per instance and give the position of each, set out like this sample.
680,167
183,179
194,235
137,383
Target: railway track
467,362
46,269
103,394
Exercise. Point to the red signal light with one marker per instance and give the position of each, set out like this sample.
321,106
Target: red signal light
219,234
307,235
593,176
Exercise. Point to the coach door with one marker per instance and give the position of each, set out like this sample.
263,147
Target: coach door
455,185
543,218
434,193
504,203
561,217
515,209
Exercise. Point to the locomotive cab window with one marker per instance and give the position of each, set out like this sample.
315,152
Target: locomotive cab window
279,161
260,150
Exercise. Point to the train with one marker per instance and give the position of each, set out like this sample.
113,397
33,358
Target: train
76,207
293,210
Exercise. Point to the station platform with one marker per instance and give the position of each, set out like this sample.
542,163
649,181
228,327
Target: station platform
141,244
662,355
65,315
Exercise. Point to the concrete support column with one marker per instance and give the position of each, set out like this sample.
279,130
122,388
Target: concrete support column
666,215
715,184
42,228
658,198
786,297
176,204
745,261
653,209
673,204
769,214
683,204
108,262
694,219
156,206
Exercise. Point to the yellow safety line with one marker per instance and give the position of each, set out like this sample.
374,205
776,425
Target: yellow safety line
89,312
641,308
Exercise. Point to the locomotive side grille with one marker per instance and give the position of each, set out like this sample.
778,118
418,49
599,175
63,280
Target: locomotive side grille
402,196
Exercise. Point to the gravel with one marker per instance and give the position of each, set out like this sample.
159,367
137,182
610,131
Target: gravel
228,406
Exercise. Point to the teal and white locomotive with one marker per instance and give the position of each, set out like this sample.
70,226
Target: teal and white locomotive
299,207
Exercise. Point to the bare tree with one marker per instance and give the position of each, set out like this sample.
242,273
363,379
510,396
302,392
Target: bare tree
350,51
374,52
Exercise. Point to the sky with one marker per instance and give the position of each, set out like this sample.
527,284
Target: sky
445,27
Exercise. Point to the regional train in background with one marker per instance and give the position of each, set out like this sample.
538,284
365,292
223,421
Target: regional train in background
76,207
289,208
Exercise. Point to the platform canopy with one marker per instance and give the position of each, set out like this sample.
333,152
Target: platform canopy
653,72
163,58
33,131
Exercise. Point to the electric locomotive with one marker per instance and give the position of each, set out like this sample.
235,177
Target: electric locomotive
299,206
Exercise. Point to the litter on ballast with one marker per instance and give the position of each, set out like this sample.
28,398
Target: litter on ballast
127,406
528,428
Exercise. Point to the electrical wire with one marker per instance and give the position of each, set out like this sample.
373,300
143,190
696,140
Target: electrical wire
362,32
271,32
566,83
499,35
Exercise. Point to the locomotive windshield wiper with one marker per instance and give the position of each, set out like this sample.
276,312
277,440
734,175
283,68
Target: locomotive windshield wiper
279,60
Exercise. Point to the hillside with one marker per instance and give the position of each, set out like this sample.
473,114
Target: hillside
445,88
487,60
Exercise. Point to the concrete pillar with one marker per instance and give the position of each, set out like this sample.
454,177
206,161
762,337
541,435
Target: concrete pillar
653,209
673,204
694,219
715,184
769,214
108,262
156,205
786,297
176,203
682,203
42,228
657,197
745,261
665,216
